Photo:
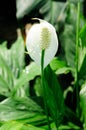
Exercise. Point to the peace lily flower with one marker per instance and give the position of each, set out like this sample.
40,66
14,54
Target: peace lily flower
42,36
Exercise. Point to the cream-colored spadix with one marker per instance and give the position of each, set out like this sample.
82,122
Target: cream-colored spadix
42,36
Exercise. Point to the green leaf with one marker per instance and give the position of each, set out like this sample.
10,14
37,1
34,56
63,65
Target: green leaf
82,71
29,73
82,35
17,57
11,67
4,87
54,95
82,53
13,125
22,110
23,116
60,66
6,73
22,103
83,103
68,44
56,63
70,126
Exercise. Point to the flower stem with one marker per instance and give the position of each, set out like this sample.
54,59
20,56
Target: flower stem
43,87
77,42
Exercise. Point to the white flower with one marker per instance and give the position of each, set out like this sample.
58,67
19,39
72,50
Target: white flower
42,36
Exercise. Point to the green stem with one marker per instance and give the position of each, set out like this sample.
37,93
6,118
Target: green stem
77,42
43,87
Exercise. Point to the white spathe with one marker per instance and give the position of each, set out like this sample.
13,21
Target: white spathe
42,36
